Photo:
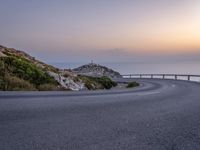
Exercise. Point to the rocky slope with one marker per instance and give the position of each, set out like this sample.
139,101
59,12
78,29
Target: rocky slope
20,71
96,70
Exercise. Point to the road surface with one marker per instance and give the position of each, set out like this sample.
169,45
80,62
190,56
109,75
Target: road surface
158,115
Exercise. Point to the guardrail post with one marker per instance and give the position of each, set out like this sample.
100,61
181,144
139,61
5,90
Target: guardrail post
140,76
188,77
151,76
163,76
176,77
130,76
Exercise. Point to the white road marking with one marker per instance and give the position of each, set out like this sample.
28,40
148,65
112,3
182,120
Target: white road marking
173,85
147,93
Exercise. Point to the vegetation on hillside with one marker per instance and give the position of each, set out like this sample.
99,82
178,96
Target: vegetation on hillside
18,73
24,56
132,84
93,83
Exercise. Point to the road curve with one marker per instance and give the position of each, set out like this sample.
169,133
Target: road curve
158,115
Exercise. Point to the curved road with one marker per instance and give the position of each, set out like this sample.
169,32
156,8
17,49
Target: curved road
158,115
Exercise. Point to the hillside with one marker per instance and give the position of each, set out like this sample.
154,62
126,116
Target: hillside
20,71
96,70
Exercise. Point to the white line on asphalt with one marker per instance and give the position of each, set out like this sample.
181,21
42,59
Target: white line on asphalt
148,93
173,85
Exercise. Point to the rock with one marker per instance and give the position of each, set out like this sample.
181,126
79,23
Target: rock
96,70
2,54
67,82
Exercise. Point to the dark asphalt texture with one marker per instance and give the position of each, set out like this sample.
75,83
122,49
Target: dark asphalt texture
158,115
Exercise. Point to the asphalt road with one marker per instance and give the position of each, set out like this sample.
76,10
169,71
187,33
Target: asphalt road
158,115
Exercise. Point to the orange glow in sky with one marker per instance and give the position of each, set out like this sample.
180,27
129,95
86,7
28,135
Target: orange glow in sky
135,26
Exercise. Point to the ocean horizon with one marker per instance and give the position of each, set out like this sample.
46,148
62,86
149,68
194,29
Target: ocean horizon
191,67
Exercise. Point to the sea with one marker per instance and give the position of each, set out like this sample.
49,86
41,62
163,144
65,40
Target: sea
191,67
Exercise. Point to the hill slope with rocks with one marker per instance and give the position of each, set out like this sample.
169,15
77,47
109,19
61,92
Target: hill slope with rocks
20,71
96,70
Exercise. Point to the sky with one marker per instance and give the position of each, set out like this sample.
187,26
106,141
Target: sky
102,30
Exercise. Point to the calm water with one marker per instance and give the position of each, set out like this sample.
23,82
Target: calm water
136,68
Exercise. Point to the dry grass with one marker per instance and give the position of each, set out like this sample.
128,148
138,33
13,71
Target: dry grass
16,84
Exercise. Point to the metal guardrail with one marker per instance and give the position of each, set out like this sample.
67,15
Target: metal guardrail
163,76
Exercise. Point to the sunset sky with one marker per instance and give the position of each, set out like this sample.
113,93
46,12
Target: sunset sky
118,30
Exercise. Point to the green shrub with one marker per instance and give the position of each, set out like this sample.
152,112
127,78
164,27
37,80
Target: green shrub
89,85
47,87
26,70
132,84
106,82
76,79
2,83
93,83
27,75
